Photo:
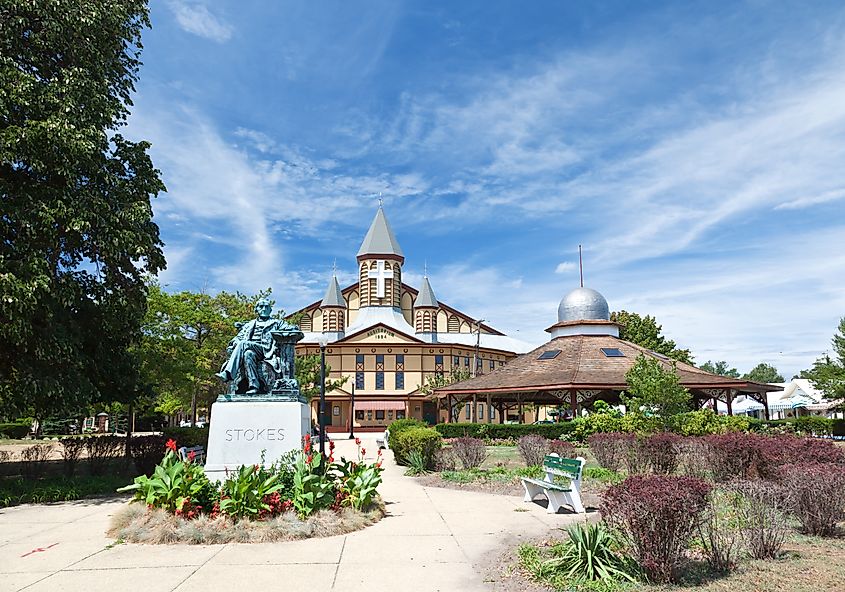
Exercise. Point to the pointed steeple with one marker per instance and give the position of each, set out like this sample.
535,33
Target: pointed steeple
333,297
426,298
380,239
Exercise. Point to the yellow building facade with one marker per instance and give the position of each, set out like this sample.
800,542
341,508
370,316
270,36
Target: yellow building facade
386,338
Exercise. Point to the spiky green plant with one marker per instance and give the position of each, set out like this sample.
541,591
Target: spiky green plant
591,553
417,464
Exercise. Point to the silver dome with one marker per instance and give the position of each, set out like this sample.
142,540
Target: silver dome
583,304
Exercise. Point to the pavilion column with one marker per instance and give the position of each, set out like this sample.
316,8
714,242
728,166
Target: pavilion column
501,409
448,408
715,403
521,416
474,408
573,402
489,408
766,406
729,397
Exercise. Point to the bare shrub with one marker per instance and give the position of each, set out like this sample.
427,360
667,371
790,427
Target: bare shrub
718,531
101,449
5,456
610,449
761,517
694,457
470,451
661,451
657,515
815,495
71,452
636,455
562,448
146,452
533,449
445,460
34,458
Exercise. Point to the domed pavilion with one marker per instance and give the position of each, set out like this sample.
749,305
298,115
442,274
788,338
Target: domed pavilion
585,361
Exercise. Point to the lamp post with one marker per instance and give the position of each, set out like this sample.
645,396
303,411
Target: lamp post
323,340
352,414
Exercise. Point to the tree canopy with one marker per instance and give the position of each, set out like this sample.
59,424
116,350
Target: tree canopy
76,229
646,332
655,390
828,372
722,368
763,372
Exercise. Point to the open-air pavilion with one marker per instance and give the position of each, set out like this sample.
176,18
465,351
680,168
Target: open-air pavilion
585,362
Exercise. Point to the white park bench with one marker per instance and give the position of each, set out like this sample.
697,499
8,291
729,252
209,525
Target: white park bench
556,493
384,442
199,454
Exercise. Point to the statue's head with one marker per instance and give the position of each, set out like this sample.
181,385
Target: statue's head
263,308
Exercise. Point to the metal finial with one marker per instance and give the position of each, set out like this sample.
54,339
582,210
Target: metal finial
380,200
334,267
581,265
425,268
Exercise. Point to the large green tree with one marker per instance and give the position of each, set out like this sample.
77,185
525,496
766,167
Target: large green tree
722,368
655,391
76,229
828,372
763,372
645,331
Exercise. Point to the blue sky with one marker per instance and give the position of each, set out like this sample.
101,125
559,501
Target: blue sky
696,151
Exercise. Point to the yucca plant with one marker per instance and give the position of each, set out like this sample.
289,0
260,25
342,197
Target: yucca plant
590,554
416,463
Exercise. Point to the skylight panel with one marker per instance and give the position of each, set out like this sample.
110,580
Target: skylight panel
612,352
549,354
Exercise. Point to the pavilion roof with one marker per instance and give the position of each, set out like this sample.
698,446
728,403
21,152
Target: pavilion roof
581,364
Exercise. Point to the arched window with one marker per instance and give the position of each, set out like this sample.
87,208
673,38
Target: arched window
454,325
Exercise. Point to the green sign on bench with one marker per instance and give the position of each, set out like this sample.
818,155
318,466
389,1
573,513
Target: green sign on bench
557,494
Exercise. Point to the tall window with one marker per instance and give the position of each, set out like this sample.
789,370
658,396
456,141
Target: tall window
456,361
466,361
400,372
359,371
438,365
492,364
400,381
379,372
469,412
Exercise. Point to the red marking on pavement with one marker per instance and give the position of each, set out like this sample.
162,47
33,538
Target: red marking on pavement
39,549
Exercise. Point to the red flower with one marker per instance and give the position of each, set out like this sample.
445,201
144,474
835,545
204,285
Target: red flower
358,441
309,459
192,455
331,445
363,451
331,459
171,444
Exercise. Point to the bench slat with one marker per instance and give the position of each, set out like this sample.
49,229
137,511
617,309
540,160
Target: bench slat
546,484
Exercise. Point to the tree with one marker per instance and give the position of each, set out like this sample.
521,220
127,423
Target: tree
76,229
308,376
828,373
645,331
721,368
763,372
654,390
438,380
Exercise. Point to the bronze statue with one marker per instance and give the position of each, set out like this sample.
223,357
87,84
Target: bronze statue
261,355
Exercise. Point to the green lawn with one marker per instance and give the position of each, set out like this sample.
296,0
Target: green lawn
19,490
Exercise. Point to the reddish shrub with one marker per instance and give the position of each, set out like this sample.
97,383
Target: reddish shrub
815,495
533,448
661,452
657,515
733,455
562,448
471,451
611,448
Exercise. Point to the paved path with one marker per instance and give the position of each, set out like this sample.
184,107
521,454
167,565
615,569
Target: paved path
431,539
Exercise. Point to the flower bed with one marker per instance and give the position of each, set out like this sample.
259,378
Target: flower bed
302,494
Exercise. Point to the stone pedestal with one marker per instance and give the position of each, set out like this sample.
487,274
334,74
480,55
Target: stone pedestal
241,429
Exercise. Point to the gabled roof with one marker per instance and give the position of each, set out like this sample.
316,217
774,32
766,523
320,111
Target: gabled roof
380,239
581,364
333,296
426,299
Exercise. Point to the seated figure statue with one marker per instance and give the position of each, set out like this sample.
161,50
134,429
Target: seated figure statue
261,355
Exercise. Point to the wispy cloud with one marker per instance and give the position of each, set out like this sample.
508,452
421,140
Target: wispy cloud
565,266
196,18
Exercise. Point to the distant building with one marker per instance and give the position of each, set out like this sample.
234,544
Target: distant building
795,398
387,337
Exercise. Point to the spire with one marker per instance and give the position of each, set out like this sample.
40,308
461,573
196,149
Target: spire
333,296
380,239
426,299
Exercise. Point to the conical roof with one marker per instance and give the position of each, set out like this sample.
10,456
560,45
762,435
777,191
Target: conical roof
425,298
380,239
333,296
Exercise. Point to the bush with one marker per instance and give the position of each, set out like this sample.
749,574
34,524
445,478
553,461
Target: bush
533,448
425,440
591,553
815,495
470,451
812,425
71,452
146,452
101,449
657,515
719,537
188,437
760,517
562,448
551,431
661,452
14,431
610,450
400,425
694,457
445,460
733,455
33,459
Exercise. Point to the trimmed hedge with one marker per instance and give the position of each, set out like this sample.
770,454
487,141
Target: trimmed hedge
187,436
14,431
424,440
401,425
503,430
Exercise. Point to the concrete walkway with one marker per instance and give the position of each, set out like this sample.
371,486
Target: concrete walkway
431,539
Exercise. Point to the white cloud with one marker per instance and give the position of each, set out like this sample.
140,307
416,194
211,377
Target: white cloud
565,266
805,202
195,18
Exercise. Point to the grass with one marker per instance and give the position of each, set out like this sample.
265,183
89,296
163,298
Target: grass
808,564
56,489
495,474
